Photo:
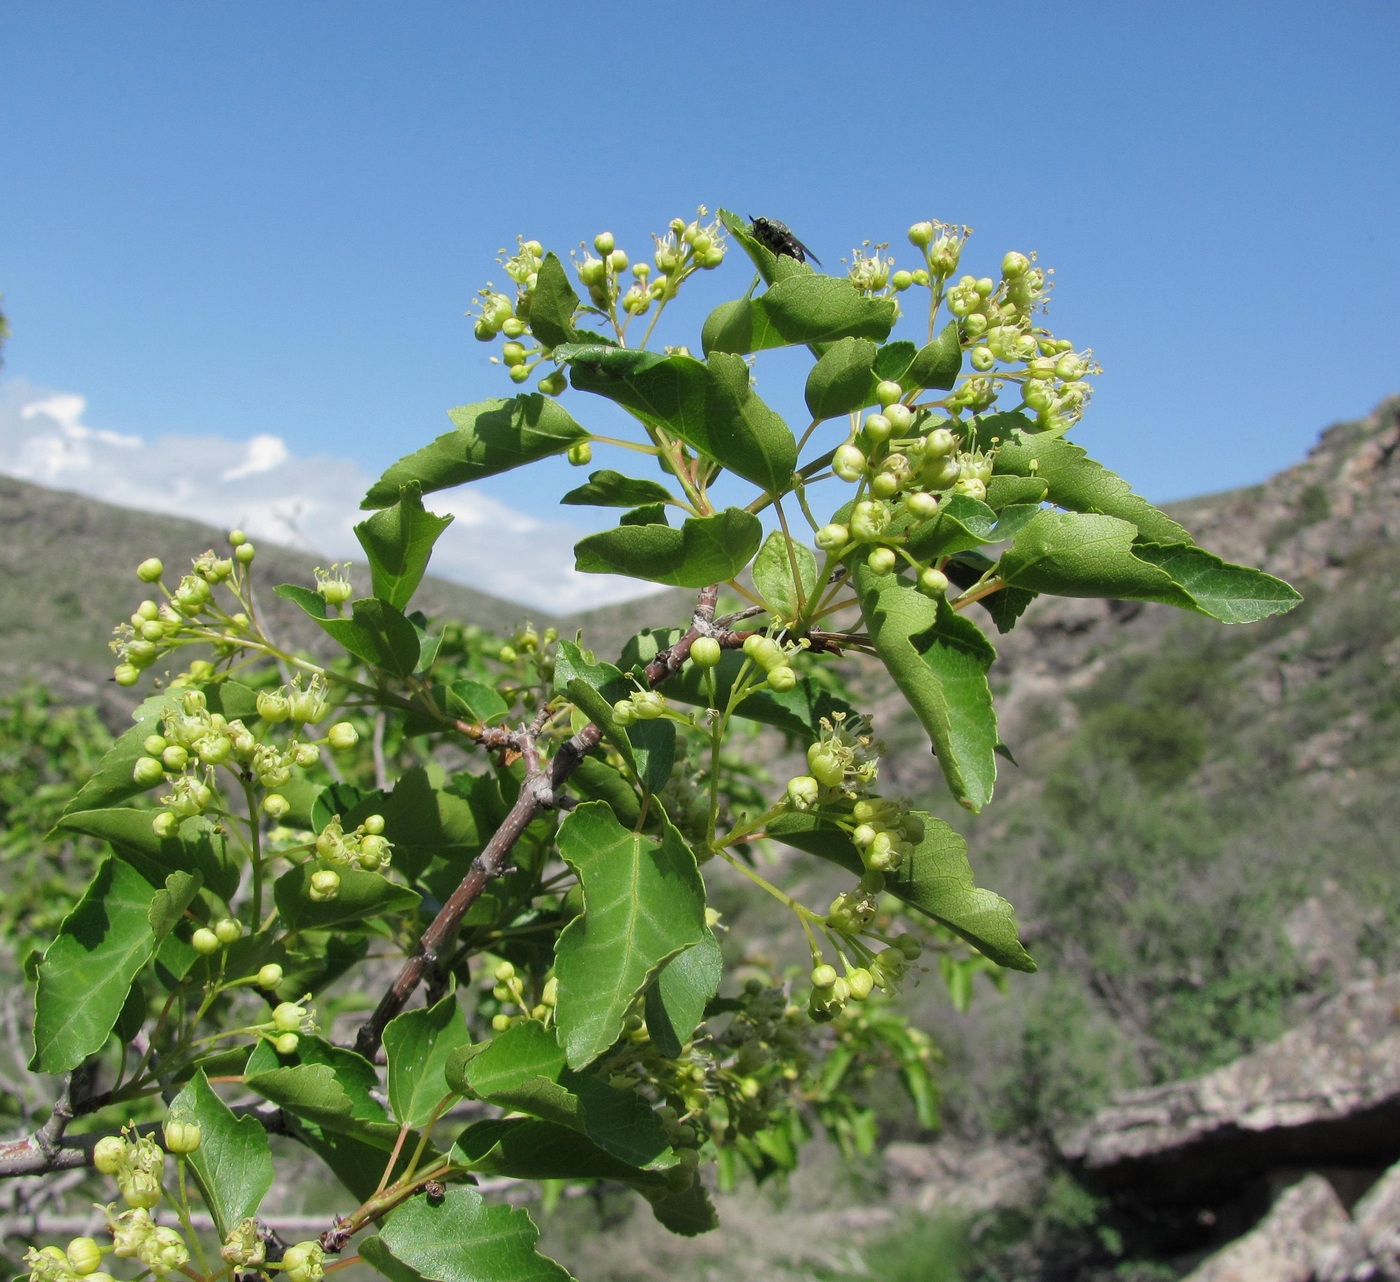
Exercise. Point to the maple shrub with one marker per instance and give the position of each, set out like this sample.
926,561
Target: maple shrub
506,842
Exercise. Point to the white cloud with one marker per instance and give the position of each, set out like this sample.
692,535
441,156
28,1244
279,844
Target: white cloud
309,503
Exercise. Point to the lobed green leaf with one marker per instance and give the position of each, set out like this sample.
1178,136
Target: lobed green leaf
612,489
398,541
418,1045
490,437
88,970
644,902
233,1163
939,661
705,550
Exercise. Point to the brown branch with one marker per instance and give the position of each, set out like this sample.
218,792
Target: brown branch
539,792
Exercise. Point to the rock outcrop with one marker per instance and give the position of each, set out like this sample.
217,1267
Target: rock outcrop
1325,1094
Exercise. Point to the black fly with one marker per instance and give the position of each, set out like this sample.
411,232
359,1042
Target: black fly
778,237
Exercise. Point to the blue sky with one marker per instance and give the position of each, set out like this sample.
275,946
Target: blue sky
265,221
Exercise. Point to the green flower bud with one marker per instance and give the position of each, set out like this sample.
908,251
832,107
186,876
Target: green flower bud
84,1256
910,946
825,768
941,474
706,652
205,942
764,651
972,486
877,428
901,280
181,1136
244,553
126,674
109,1155
228,930
833,537
885,485
648,705
273,705
373,824
624,712
581,454
901,417
554,383
920,234
869,520
881,560
325,885
824,976
286,1043
848,463
1014,265
604,243
147,772
781,678
803,791
304,1262
342,736
933,582
139,1189
164,824
887,392
150,570
617,261
861,983
270,975
921,505
275,805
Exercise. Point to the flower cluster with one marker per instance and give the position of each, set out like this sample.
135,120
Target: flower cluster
842,763
156,628
851,913
365,847
508,989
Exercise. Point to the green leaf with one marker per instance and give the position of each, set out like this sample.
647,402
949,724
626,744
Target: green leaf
710,405
469,700
961,523
1071,554
612,489
1230,593
1006,606
528,1149
523,1070
197,846
705,550
1004,491
687,1212
802,309
935,878
111,783
490,437
939,661
553,303
843,379
458,1238
376,632
88,970
398,542
643,903
936,365
233,1162
893,359
773,575
331,1087
676,1002
168,905
651,514
417,1045
1074,481
771,266
362,895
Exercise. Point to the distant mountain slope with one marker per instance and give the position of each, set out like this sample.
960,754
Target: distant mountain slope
67,577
